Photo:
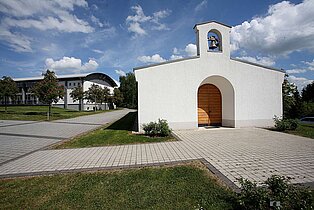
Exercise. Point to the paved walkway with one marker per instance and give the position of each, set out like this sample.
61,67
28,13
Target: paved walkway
250,153
18,138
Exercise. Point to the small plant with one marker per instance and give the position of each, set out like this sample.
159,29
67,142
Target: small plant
276,189
160,128
285,124
252,197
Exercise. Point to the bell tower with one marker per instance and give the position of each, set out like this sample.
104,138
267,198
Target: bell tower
212,39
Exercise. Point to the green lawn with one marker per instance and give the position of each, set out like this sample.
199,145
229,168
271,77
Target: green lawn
177,187
304,130
39,113
116,134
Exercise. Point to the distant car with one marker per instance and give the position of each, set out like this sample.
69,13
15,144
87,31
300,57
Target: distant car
307,120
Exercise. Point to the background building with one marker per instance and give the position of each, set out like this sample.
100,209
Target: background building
69,82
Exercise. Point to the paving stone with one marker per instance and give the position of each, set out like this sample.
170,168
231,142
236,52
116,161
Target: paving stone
252,153
18,138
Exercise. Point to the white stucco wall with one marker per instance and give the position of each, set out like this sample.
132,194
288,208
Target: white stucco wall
169,91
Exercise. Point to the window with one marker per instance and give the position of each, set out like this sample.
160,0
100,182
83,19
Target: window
73,83
69,83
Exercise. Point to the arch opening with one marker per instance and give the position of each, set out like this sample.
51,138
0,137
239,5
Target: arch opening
214,41
216,102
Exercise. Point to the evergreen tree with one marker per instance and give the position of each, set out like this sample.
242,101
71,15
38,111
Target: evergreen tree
117,97
308,93
288,97
128,88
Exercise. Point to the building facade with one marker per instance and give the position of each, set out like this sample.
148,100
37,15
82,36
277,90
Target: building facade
69,82
210,88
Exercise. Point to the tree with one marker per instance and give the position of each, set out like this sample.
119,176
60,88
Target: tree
106,95
117,97
78,95
94,94
308,93
48,90
128,88
8,89
288,97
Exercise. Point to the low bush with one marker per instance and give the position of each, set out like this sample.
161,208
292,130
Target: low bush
285,124
276,193
159,128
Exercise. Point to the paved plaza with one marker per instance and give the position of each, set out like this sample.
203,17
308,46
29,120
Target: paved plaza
250,153
18,138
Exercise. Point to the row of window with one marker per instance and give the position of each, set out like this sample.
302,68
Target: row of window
74,84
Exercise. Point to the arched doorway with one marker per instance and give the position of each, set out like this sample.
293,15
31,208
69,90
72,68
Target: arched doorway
209,105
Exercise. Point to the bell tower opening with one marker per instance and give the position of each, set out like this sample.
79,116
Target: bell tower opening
214,41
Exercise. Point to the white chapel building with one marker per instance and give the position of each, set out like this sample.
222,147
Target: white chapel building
211,88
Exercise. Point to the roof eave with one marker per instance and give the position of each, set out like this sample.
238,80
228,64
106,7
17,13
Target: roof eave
259,65
213,21
166,62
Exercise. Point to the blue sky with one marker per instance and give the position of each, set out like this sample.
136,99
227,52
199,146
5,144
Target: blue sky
78,36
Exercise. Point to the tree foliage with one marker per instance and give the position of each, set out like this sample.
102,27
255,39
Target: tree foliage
117,97
94,94
78,95
128,88
308,93
294,104
289,91
8,89
48,90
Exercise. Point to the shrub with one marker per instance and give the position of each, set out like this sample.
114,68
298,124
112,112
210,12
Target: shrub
285,124
160,128
276,188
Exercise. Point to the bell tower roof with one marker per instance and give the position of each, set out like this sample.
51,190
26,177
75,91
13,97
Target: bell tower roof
212,21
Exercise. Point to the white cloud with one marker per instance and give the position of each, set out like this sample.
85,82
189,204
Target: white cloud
300,82
151,59
120,72
139,15
136,22
16,41
56,15
97,21
200,6
176,57
266,61
91,65
136,28
98,51
191,50
296,71
26,8
175,51
286,27
70,65
156,18
64,23
310,65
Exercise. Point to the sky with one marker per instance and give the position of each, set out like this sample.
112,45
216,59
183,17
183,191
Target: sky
114,36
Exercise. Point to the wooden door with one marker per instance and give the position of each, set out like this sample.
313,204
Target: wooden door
209,105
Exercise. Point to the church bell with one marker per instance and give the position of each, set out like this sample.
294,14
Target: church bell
213,42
